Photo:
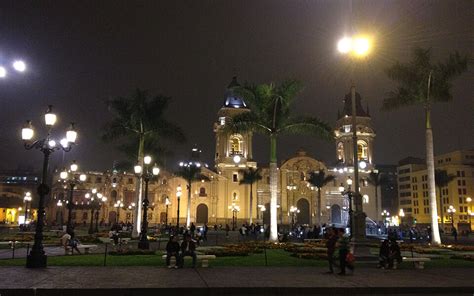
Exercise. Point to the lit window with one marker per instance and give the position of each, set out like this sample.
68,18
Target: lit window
340,151
365,199
347,128
222,120
236,144
362,150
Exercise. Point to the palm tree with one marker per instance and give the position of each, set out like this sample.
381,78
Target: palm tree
420,82
249,177
319,179
377,179
271,116
442,179
190,172
139,121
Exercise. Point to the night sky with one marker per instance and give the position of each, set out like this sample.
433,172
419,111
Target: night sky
80,53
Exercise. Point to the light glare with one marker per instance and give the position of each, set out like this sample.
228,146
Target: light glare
3,72
344,45
20,66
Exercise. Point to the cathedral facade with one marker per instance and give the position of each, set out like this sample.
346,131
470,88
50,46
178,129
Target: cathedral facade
220,197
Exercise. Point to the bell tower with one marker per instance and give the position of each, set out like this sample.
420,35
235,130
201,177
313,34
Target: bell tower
365,134
232,149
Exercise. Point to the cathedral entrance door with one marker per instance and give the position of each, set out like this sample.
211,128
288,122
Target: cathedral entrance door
303,216
336,214
201,214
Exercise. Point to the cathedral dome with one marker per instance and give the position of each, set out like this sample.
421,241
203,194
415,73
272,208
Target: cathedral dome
231,100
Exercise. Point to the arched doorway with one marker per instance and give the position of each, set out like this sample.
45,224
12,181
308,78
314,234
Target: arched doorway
201,214
336,214
112,217
303,216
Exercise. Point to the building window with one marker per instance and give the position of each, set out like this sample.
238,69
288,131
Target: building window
340,151
347,128
222,120
235,177
236,144
362,150
202,191
365,199
130,180
98,180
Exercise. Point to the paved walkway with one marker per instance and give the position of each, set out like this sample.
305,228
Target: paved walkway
231,281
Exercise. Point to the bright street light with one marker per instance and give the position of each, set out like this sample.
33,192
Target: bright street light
358,46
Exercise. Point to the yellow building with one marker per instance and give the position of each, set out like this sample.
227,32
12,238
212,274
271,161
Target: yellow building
413,189
212,200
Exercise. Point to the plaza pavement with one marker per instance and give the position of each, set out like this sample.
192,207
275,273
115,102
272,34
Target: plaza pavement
117,281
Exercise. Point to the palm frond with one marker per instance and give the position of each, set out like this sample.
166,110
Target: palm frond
307,126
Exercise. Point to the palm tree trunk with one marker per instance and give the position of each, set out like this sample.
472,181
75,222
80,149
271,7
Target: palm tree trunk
435,238
251,202
139,190
188,210
441,213
319,207
273,190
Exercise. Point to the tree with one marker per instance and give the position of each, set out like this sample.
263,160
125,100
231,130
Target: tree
249,177
377,179
442,179
139,122
190,172
421,82
319,179
271,116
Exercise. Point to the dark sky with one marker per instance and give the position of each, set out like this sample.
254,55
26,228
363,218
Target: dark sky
81,53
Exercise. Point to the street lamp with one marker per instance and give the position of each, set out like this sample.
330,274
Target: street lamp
94,200
357,47
60,208
47,145
27,199
178,196
72,178
131,208
386,217
293,211
235,209
401,214
469,211
17,65
451,211
145,174
118,205
167,203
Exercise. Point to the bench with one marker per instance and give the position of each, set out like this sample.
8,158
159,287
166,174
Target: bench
204,258
419,261
312,240
85,248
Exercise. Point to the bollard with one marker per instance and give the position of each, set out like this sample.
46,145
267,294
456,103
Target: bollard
105,254
217,236
13,250
27,249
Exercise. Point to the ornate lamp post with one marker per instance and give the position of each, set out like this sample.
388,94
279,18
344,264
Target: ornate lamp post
27,199
131,208
349,195
145,174
293,211
451,211
118,205
357,47
17,65
72,179
60,208
178,197
95,200
386,217
235,209
47,145
167,203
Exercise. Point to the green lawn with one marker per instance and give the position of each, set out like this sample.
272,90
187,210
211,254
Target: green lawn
274,258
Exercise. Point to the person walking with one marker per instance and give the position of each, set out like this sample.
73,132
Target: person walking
192,229
343,246
455,234
331,246
172,249
227,229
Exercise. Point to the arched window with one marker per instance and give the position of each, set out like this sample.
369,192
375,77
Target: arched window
365,199
236,144
113,194
340,151
362,150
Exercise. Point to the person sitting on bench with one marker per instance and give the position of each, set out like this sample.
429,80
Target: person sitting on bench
188,248
68,241
172,249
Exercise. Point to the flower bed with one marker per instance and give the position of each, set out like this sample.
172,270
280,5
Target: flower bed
128,252
463,257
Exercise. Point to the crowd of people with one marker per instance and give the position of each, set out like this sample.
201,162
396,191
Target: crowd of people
337,240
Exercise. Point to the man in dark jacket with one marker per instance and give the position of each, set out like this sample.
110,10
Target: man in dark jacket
188,248
331,245
172,249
